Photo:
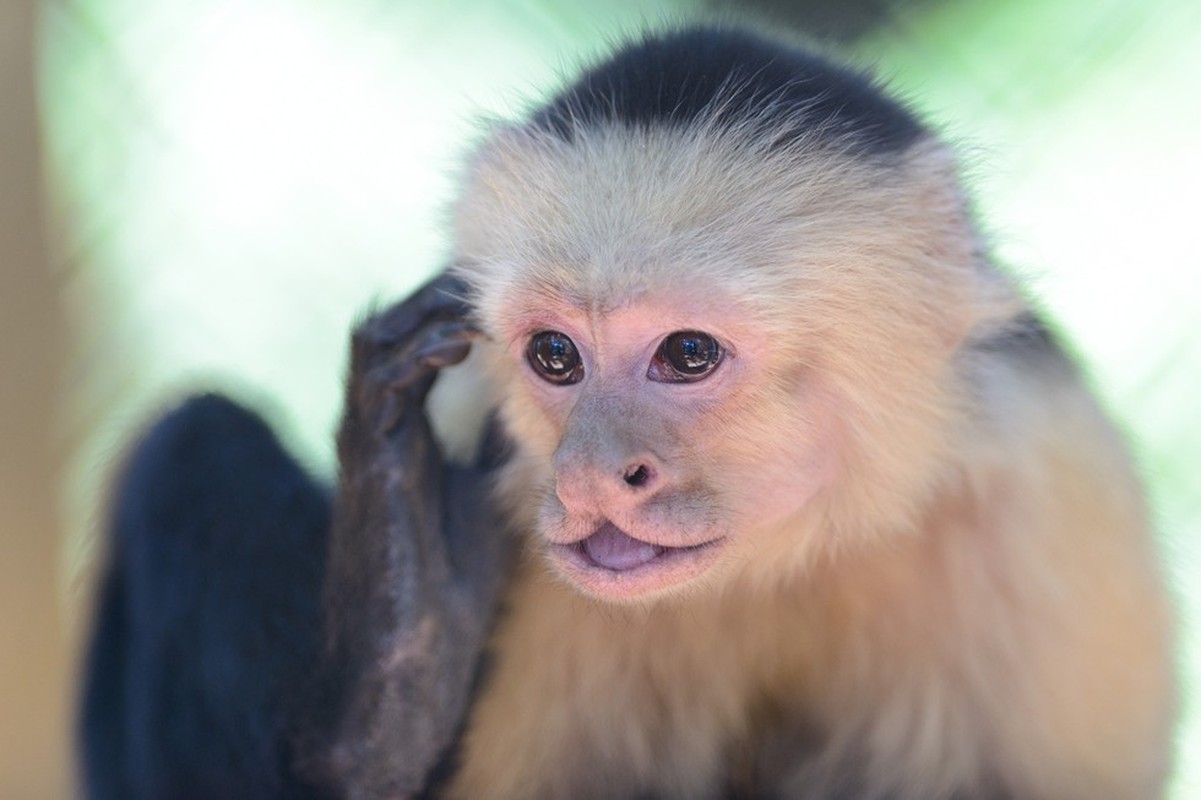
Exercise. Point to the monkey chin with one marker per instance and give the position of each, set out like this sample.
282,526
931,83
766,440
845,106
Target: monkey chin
610,564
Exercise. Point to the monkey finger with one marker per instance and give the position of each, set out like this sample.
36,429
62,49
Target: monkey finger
399,379
441,299
447,345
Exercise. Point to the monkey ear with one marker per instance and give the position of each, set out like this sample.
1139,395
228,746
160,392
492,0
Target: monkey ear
984,299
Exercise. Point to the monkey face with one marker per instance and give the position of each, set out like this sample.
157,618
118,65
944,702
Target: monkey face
632,420
698,340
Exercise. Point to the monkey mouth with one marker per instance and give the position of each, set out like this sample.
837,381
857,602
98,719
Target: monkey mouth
612,563
612,548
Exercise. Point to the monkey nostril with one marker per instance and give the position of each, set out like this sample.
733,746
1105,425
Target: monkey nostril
637,477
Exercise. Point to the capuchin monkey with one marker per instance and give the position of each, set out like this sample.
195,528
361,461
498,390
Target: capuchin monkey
793,494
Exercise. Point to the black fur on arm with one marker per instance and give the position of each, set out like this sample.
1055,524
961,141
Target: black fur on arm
208,620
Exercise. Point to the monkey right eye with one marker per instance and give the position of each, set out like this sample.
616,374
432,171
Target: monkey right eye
555,358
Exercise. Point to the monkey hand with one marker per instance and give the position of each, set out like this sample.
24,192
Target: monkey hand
417,558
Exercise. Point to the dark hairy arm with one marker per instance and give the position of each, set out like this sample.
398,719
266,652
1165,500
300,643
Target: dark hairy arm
417,558
253,638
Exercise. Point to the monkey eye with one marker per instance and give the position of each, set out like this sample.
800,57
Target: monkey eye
684,357
555,358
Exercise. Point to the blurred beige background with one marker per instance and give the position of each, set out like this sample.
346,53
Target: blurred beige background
35,661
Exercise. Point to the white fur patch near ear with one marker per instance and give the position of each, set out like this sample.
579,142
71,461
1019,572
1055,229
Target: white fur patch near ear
456,413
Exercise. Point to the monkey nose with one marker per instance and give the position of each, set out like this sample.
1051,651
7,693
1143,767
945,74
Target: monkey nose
639,476
595,488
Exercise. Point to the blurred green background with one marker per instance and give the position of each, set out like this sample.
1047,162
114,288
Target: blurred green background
230,184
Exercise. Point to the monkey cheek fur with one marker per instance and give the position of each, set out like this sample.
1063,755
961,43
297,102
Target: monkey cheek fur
612,565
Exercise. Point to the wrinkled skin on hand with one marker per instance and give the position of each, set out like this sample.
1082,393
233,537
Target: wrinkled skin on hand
416,562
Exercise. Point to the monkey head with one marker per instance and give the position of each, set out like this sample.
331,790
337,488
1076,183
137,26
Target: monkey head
717,345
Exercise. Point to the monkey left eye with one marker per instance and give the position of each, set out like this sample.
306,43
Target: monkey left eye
554,358
684,357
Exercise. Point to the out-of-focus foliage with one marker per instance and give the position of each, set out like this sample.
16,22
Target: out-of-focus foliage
236,182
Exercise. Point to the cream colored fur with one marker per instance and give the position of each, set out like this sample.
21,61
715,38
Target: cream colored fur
963,600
